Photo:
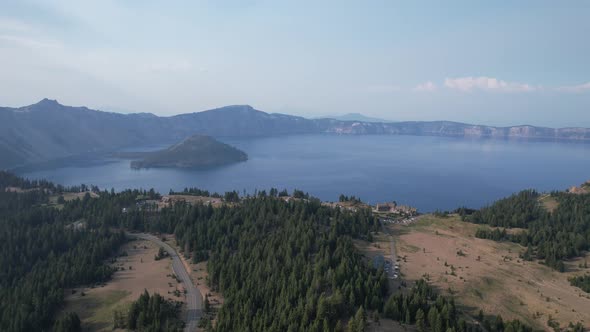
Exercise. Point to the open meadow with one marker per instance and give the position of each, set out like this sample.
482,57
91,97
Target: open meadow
138,271
488,275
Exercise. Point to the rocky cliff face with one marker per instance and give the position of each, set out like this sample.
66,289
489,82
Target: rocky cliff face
452,129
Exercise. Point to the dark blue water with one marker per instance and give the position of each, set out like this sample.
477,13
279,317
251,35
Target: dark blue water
427,172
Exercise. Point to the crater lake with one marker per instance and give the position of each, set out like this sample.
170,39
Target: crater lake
429,173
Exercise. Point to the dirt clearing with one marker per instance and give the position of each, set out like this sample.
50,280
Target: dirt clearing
488,275
141,271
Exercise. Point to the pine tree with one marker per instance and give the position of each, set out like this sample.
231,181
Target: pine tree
420,320
408,317
360,319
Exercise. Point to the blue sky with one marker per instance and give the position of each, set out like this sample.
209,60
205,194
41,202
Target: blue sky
489,62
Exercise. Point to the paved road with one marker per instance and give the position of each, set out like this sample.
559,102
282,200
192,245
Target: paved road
392,247
391,271
194,299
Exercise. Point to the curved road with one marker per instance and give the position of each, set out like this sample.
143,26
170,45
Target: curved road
194,301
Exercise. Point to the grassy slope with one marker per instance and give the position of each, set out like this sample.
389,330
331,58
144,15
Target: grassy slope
549,202
498,281
96,309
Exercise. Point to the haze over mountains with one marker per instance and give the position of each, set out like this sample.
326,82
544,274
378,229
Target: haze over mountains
48,130
354,117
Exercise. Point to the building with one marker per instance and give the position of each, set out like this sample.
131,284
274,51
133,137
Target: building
392,207
386,207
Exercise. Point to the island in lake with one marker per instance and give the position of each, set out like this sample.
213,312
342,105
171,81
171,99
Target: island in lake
198,151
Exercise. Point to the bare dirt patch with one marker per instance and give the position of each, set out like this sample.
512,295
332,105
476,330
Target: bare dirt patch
488,275
388,325
96,307
16,190
191,199
72,196
379,246
549,202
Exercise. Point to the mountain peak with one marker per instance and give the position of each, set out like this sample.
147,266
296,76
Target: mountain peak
44,104
48,102
234,109
243,108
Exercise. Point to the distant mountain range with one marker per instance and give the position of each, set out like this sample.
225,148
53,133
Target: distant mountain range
354,117
48,130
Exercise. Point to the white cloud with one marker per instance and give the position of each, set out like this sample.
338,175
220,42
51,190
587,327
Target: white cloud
487,84
425,87
575,88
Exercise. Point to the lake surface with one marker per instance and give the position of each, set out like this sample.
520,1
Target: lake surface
427,172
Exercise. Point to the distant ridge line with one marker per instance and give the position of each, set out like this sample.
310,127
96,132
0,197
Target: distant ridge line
49,130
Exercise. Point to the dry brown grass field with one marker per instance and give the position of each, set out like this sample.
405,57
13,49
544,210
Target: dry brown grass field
487,274
72,196
96,307
191,199
548,202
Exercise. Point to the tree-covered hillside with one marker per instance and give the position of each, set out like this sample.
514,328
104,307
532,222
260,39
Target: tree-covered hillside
549,236
281,263
41,255
197,151
313,276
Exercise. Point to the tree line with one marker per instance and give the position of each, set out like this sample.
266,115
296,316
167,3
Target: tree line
150,313
41,254
582,282
552,237
431,312
282,265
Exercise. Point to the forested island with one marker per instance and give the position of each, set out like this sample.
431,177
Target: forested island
197,151
282,262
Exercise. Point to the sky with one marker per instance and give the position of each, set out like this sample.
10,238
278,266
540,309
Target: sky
487,62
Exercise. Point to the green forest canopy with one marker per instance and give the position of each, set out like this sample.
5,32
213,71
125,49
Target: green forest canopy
281,266
549,236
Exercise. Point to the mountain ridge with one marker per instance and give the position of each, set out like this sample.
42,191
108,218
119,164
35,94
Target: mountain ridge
49,130
354,117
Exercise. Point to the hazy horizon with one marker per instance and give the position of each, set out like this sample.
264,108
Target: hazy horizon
492,64
369,118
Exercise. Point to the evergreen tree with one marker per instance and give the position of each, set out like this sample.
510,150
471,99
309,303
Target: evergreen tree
420,320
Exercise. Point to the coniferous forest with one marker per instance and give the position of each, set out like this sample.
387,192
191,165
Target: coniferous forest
552,237
282,264
41,254
150,313
582,282
313,276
